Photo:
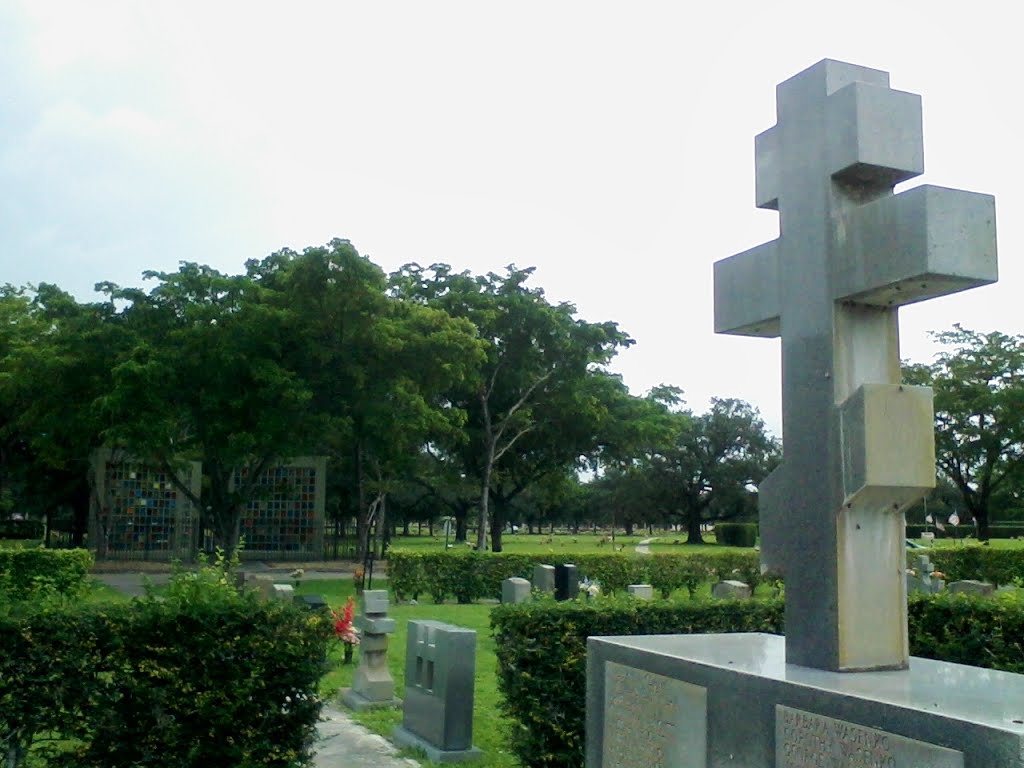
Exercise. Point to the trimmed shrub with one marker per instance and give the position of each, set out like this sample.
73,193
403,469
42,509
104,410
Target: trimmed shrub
469,576
542,658
541,650
736,534
204,676
28,572
975,561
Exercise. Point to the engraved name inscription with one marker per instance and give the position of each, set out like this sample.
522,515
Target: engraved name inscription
807,740
652,721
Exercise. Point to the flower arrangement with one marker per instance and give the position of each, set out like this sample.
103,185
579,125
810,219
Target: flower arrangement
590,588
344,629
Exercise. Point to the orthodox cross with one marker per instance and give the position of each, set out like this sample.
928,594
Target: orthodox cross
858,446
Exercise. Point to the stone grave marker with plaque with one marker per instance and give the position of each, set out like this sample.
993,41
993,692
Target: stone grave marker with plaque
840,690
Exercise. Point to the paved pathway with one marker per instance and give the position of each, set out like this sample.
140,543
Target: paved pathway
343,743
642,548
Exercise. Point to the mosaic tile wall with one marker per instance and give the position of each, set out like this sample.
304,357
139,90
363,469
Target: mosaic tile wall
139,510
286,518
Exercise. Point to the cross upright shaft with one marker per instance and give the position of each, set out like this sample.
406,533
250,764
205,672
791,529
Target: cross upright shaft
858,446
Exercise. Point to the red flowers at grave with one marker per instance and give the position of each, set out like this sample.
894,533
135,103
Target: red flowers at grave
343,628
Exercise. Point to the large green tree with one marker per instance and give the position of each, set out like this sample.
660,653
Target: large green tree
528,396
978,382
704,467
378,368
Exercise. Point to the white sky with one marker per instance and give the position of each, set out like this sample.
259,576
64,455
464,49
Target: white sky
610,145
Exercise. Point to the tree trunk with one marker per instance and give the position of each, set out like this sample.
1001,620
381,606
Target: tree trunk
461,528
362,511
629,528
496,525
693,528
485,496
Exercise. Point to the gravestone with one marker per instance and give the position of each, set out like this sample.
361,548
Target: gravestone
515,590
731,589
921,579
641,591
971,587
544,578
840,689
283,592
313,603
372,684
440,667
567,583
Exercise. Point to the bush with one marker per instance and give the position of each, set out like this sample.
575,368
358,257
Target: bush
28,572
541,650
997,566
470,576
203,676
736,534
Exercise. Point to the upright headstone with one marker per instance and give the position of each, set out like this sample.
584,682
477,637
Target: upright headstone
971,587
515,590
372,684
283,592
567,582
544,578
641,591
840,689
921,578
440,665
731,589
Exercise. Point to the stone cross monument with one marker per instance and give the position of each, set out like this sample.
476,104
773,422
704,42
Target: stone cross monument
858,445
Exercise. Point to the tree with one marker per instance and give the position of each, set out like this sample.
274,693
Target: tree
979,415
379,369
709,463
210,377
538,355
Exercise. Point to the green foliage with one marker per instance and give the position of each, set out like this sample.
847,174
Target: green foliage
27,573
470,576
736,534
996,566
202,676
978,382
541,651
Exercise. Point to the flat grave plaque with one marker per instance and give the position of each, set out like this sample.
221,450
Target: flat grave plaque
807,740
652,721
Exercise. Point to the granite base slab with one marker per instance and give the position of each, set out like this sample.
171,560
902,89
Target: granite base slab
355,700
710,701
405,738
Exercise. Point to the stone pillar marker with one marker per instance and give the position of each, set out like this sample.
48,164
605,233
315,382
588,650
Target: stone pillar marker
858,445
372,684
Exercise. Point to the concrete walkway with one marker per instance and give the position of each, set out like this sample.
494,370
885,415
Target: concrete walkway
343,743
643,548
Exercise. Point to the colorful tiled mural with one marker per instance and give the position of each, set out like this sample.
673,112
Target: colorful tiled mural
286,517
138,512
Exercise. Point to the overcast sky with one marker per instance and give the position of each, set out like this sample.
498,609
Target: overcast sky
609,145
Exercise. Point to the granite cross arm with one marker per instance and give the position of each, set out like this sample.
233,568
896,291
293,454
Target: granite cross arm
858,445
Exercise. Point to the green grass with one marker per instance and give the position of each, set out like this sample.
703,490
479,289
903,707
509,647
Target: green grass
489,726
522,543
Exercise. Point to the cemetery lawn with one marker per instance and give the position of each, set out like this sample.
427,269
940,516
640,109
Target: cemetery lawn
584,542
489,725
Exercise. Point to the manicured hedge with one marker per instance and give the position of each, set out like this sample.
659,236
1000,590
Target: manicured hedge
204,676
28,571
469,576
976,561
736,534
541,649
